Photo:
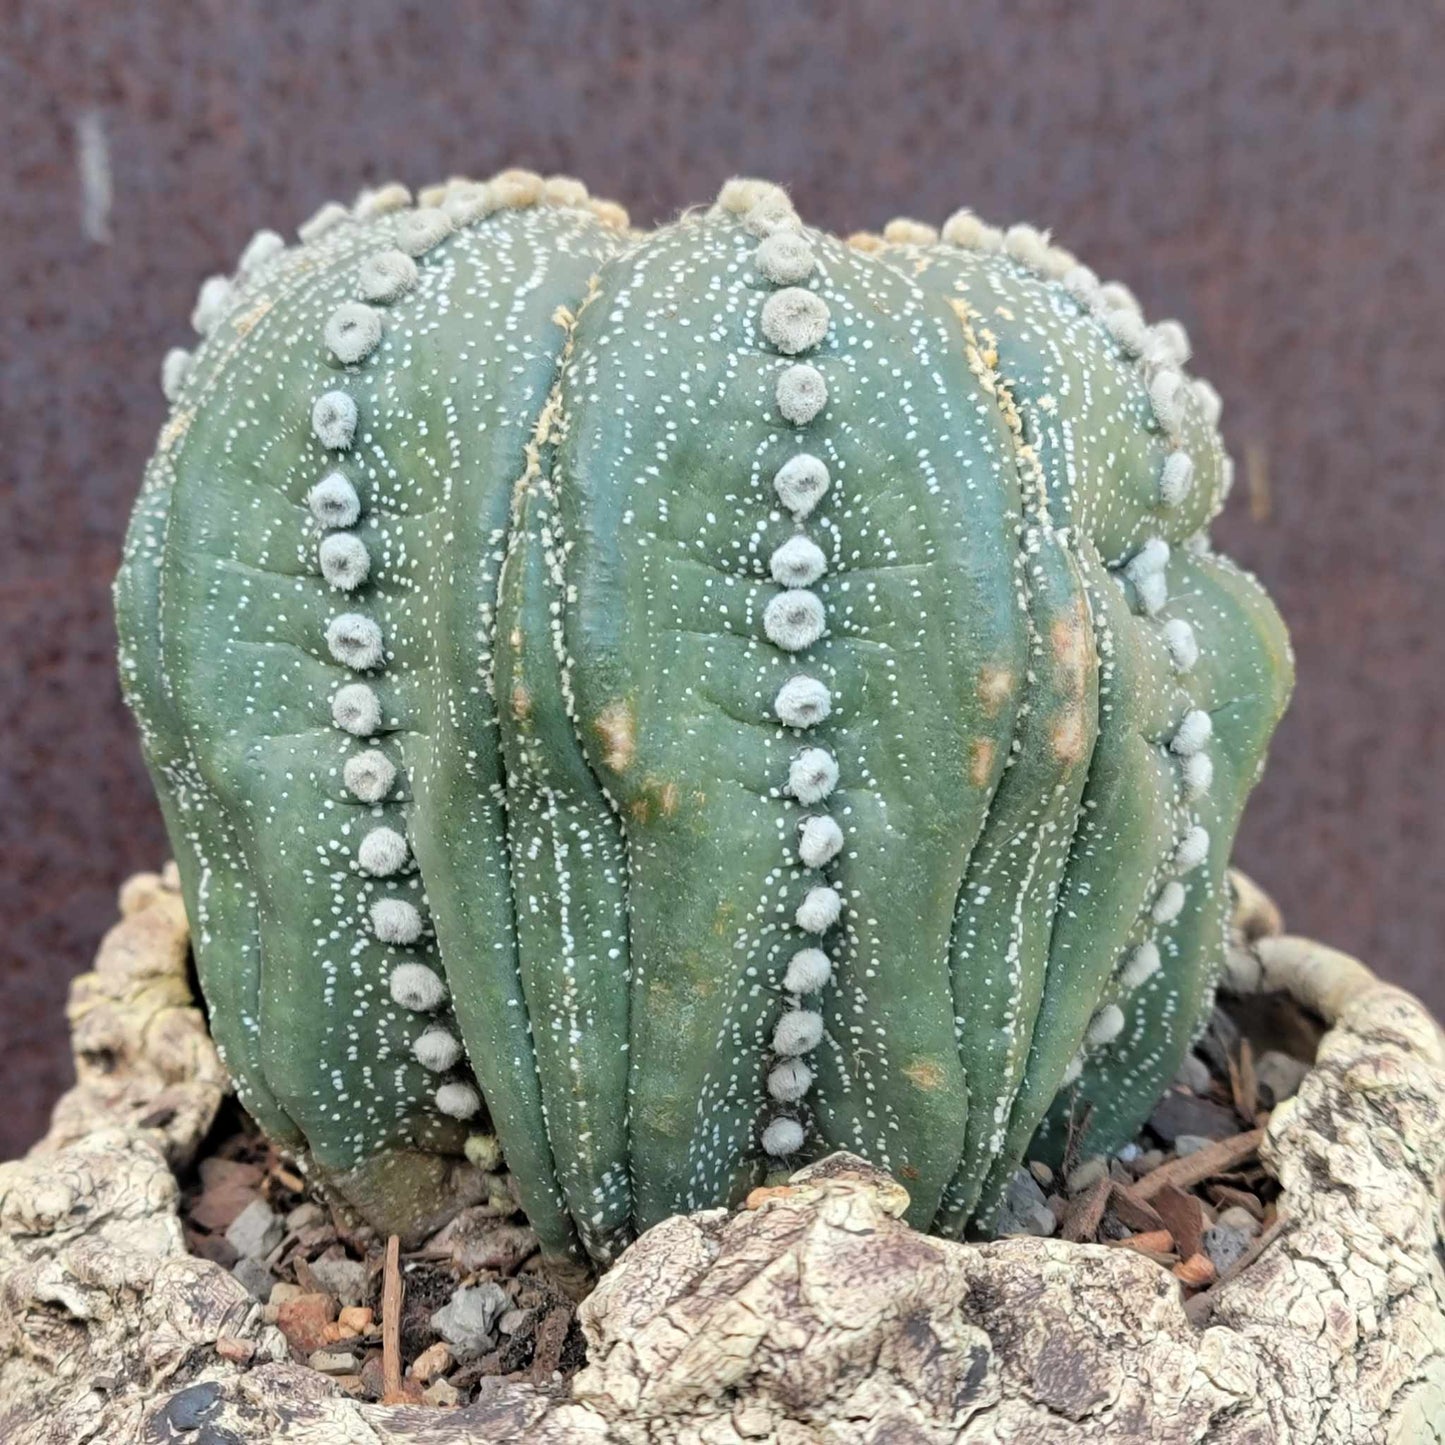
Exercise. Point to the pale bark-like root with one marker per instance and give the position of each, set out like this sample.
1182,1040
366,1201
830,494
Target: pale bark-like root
812,1315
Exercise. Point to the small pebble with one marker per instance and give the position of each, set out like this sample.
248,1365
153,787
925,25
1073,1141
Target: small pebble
218,1435
189,1408
513,1321
1278,1076
1190,1144
346,1278
255,1231
333,1362
254,1276
1084,1176
468,1323
1193,1074
1225,1246
1041,1172
1239,1219
1146,1163
1025,1210
304,1216
442,1393
434,1361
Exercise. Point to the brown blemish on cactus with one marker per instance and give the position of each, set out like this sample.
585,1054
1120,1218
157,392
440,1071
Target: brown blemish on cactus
980,762
995,688
616,726
1068,737
521,703
925,1074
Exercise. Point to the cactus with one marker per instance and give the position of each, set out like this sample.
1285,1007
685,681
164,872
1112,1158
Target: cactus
688,702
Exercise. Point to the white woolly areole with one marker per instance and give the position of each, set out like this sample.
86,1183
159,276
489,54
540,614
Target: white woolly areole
800,483
1170,902
1027,245
1168,344
1193,849
782,1137
327,218
1210,402
418,231
812,775
739,194
785,258
394,920
964,230
459,1101
1143,964
353,332
1106,1025
809,970
264,246
175,370
1182,644
1166,396
1127,328
1118,297
820,840
345,562
1198,773
415,986
391,197
1153,591
789,1081
1072,1070
355,641
795,320
333,501
771,213
436,1050
819,910
799,562
799,1031
801,394
1153,556
1083,285
517,189
1226,480
1194,731
1176,479
213,300
471,203
904,231
794,620
802,702
386,276
382,852
369,775
565,191
1057,262
355,709
333,420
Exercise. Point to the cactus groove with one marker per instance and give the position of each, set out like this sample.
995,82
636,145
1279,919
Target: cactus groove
687,702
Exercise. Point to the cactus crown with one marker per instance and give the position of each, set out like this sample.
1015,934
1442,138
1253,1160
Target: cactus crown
689,701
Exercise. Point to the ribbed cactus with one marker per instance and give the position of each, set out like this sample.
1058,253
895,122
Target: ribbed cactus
689,701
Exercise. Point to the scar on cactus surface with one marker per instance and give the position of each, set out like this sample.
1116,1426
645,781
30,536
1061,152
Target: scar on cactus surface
690,701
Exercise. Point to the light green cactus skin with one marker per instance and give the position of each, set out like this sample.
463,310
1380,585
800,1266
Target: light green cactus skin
576,457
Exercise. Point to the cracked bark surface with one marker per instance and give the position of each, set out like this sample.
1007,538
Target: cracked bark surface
812,1315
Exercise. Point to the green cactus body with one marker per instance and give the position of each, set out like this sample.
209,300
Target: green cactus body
689,702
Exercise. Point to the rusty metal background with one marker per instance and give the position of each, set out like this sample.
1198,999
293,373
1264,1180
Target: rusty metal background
1272,174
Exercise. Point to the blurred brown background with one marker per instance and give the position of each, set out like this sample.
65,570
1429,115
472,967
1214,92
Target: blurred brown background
1272,174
